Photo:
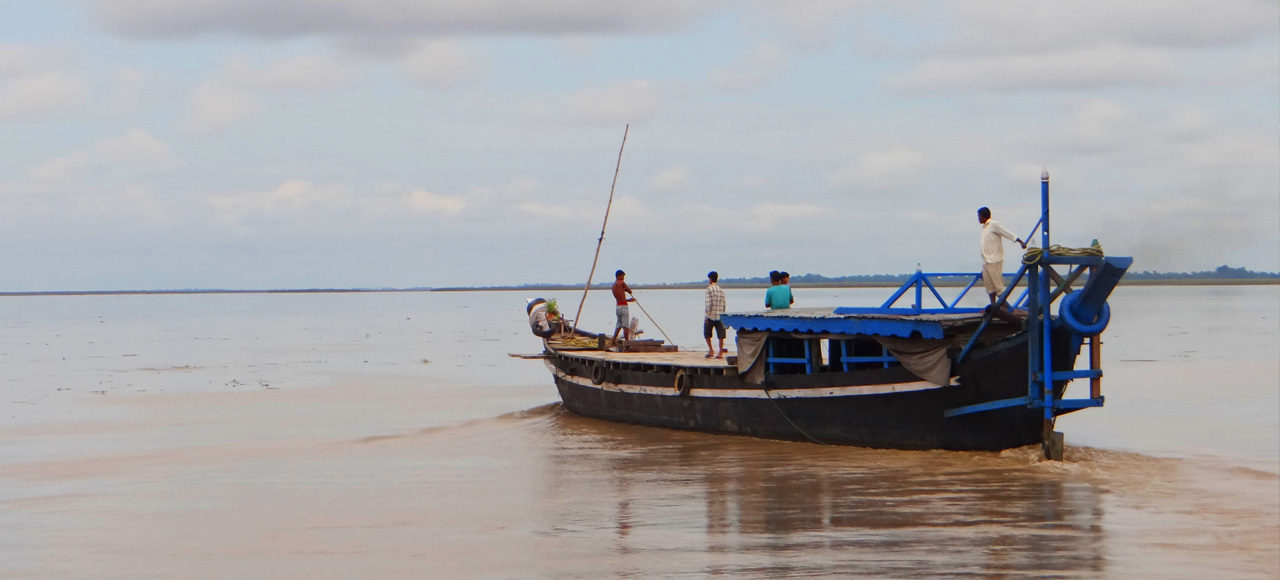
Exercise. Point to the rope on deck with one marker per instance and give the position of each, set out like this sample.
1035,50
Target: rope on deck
574,341
1034,255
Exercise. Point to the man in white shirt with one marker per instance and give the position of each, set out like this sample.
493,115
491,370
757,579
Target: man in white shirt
993,252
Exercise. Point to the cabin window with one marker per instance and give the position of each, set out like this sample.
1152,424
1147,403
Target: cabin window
860,354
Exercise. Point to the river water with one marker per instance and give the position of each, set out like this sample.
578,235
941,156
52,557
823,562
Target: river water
391,435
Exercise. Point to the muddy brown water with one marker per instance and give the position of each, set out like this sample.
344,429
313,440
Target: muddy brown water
389,435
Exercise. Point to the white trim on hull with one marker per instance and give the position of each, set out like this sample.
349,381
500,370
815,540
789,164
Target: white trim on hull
757,393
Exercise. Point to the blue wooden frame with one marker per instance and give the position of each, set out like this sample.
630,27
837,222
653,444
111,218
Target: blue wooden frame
1040,372
921,280
772,360
885,359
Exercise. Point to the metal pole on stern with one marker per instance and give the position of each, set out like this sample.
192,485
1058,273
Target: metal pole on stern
1051,441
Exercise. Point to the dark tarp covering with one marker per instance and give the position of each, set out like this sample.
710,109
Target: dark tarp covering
925,358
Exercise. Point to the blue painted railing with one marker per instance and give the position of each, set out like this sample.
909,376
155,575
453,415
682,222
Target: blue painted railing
922,280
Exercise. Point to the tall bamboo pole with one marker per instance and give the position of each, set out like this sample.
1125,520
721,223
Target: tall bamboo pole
600,242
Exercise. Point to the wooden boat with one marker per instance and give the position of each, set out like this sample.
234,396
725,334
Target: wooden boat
906,378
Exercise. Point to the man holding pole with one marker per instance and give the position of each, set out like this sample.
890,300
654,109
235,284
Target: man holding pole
993,259
620,291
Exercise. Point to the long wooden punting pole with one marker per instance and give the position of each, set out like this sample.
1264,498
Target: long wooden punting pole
600,242
655,322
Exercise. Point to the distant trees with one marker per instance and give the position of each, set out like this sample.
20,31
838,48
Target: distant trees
1223,272
1220,273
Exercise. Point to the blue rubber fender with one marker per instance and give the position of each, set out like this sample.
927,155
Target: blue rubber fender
1067,312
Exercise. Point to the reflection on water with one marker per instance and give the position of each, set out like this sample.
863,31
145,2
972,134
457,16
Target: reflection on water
780,508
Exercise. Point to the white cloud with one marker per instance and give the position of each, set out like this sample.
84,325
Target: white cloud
671,179
885,168
518,190
756,67
630,101
285,18
22,59
127,87
627,101
759,218
811,23
212,108
1083,45
578,47
1092,68
1042,26
136,204
431,203
303,205
1096,125
562,213
135,152
39,94
297,201
440,64
34,83
626,212
235,93
297,73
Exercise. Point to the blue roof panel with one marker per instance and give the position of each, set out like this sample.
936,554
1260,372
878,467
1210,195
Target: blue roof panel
827,320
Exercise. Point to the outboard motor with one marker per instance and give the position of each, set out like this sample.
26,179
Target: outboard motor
538,323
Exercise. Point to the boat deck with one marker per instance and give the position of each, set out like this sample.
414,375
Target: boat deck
683,358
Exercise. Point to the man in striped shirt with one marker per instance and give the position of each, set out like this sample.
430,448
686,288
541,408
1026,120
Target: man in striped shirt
714,308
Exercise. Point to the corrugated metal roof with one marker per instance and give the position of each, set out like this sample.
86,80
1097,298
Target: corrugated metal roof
827,320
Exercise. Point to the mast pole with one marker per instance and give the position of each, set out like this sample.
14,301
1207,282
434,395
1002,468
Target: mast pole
600,241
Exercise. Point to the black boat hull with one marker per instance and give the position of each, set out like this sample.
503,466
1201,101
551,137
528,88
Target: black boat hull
875,409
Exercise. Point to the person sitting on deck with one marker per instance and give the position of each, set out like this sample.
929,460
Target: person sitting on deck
774,275
778,297
620,291
714,304
786,281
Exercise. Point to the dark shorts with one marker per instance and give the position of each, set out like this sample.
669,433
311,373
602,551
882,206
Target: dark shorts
708,324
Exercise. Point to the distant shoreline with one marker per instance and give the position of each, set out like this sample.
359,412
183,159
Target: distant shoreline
947,284
567,287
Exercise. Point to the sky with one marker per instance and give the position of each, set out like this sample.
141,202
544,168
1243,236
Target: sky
242,144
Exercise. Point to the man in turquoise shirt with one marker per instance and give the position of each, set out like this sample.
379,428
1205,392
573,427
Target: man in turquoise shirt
778,296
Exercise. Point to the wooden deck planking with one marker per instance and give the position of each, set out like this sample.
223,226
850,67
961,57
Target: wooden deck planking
680,358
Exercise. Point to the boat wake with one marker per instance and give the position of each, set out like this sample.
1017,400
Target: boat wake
512,420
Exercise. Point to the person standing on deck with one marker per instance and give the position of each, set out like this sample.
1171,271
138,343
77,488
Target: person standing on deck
714,307
620,291
993,252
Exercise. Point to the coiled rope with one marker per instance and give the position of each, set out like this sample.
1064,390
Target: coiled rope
1034,255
